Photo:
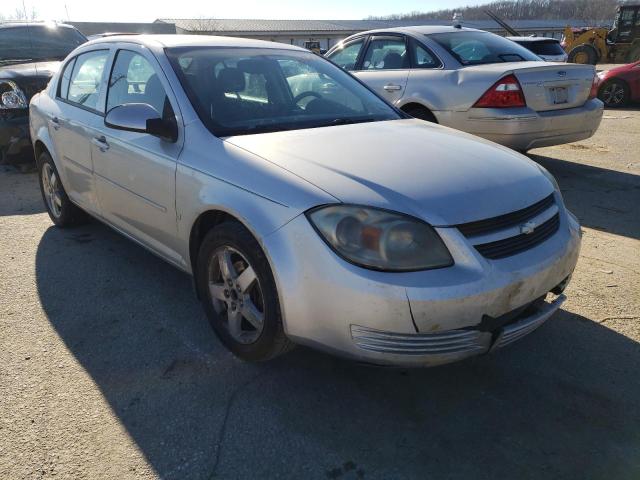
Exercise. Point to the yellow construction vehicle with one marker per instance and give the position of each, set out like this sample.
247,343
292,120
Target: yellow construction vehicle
621,44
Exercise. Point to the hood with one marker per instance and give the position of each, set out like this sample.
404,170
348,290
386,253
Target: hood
28,70
441,175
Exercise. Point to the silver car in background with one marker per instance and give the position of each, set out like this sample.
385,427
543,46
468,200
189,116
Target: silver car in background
477,82
548,49
306,208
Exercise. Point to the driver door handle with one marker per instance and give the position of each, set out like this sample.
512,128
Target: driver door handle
101,143
391,87
55,123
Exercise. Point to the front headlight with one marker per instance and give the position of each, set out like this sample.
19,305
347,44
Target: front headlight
378,239
11,97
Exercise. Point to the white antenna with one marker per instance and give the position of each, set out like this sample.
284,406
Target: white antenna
66,10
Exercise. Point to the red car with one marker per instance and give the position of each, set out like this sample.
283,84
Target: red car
619,86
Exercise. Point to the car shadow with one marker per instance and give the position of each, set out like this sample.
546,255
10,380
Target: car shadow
19,192
602,199
562,403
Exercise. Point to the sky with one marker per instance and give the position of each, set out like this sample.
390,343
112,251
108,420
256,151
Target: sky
144,11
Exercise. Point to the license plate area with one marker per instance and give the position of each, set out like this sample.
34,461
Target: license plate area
559,95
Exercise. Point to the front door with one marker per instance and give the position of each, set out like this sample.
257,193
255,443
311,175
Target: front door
135,172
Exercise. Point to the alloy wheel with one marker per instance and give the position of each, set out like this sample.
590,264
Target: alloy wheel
52,191
613,94
236,294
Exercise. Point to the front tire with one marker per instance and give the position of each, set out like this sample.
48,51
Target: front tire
614,93
239,294
61,210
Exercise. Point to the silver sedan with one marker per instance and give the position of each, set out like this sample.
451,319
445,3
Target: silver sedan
305,207
476,82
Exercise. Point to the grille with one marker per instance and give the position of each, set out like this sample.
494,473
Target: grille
505,221
519,243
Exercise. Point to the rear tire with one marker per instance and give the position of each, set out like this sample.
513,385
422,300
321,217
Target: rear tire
583,54
614,93
239,294
61,210
421,113
634,54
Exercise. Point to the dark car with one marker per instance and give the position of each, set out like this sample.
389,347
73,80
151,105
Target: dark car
30,53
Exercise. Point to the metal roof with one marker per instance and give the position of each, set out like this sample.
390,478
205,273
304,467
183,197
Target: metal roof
233,25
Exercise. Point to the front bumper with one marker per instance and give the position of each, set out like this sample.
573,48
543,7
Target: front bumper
523,128
15,140
330,304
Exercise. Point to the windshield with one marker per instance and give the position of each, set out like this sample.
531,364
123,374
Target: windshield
35,43
478,48
544,47
239,91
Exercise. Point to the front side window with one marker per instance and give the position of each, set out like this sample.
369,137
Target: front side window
85,81
242,90
36,43
386,53
133,80
347,56
477,48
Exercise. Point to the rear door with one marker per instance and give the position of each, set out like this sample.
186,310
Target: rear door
385,66
135,172
80,103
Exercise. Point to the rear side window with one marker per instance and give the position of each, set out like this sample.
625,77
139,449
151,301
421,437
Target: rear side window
85,82
133,80
478,48
347,56
544,47
386,53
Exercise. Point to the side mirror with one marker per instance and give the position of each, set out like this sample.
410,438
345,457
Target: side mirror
141,118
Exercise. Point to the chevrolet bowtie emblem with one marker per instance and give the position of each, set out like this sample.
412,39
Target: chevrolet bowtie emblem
527,228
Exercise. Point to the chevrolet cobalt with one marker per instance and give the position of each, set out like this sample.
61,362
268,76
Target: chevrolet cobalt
306,208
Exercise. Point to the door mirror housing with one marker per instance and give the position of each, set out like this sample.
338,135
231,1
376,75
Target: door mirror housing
141,118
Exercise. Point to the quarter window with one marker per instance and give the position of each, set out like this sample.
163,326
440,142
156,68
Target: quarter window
347,56
63,89
388,53
133,80
84,85
423,58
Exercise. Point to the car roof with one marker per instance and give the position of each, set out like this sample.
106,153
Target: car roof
169,41
533,39
34,24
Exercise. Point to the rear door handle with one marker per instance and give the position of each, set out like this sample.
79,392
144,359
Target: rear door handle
390,87
101,143
55,122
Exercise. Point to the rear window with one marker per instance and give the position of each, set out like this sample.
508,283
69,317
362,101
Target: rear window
548,47
478,48
37,43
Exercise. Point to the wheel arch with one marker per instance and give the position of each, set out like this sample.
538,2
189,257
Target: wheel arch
416,104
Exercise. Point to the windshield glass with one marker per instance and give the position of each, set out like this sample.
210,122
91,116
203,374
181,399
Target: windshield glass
32,43
239,91
544,47
478,48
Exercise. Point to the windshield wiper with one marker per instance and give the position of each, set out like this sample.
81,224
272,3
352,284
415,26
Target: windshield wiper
9,61
349,121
